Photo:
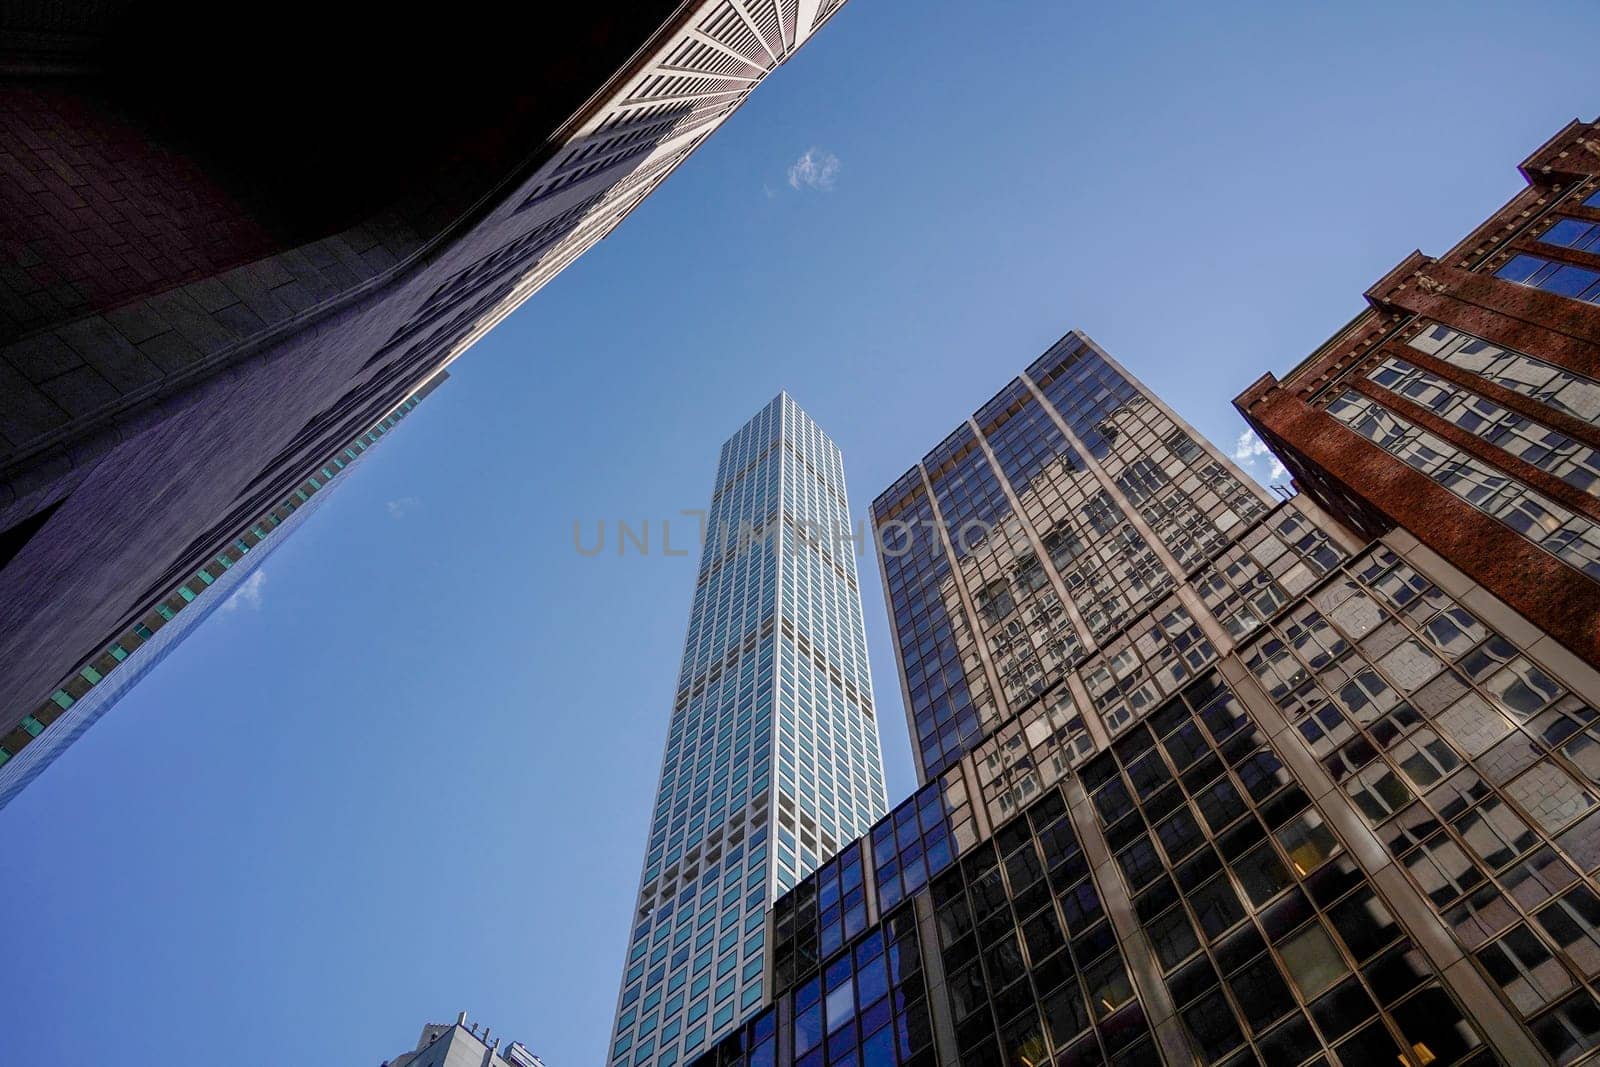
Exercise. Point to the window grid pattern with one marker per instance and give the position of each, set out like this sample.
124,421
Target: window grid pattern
1028,632
1104,563
1030,635
1267,935
1479,772
822,913
1091,549
910,845
869,1007
1193,503
920,838
1027,756
1573,539
1129,676
1269,567
945,682
1031,964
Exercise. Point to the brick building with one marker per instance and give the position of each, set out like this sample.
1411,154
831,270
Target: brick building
1463,405
219,264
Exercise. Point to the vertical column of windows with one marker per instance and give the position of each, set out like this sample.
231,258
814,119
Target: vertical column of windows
1104,563
1030,632
944,676
997,567
1478,771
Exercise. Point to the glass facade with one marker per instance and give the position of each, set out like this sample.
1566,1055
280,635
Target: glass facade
1065,509
1556,387
772,759
1268,795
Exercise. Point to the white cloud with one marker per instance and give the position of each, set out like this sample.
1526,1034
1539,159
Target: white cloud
1250,448
817,169
248,594
398,509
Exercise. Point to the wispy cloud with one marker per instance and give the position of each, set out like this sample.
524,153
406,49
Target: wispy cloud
816,169
399,509
248,594
1249,449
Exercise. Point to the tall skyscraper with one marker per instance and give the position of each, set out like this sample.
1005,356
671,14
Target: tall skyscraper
772,757
1463,404
204,294
1209,777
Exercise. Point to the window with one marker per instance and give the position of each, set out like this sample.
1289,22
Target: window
1308,843
1313,962
1525,970
1571,233
1562,279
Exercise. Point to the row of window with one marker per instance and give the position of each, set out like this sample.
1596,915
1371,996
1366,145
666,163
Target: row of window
1562,279
1572,538
1551,451
1537,379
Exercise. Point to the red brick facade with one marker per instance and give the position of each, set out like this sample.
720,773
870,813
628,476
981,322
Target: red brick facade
1372,490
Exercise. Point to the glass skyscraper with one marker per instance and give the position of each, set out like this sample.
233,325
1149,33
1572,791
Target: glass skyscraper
772,759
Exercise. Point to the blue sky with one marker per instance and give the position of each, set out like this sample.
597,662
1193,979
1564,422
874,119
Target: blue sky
412,774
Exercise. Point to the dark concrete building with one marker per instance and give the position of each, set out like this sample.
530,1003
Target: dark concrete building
1207,777
179,607
1463,404
228,249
